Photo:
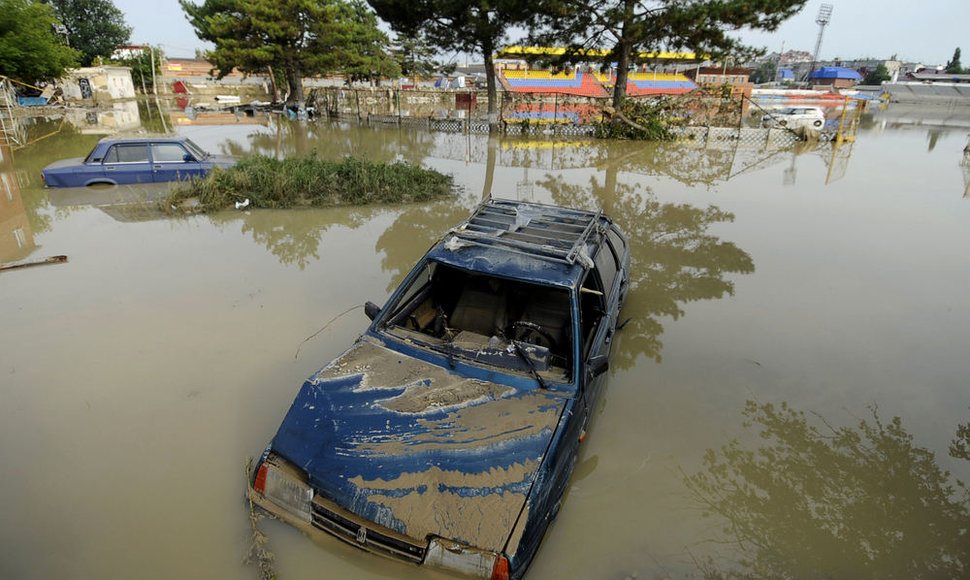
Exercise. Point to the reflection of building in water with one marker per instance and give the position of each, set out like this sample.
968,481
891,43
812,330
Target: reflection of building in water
16,238
106,120
239,116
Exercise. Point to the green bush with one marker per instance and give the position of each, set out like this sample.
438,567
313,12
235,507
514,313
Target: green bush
650,115
311,181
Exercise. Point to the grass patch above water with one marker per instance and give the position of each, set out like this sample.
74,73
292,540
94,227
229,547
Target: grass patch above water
311,181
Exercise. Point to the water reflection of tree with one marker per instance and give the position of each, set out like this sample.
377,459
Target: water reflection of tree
294,236
413,232
960,446
674,258
820,501
689,163
152,117
334,140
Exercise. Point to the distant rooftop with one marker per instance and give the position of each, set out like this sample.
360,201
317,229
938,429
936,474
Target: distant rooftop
835,72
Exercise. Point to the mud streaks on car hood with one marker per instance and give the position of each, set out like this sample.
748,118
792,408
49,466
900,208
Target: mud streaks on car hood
418,449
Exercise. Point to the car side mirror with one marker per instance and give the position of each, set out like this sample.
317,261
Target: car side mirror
598,365
188,158
371,310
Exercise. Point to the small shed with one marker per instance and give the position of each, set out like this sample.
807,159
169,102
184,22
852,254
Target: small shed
785,75
837,76
98,83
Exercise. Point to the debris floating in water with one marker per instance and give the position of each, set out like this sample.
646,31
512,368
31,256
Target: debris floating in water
242,204
48,260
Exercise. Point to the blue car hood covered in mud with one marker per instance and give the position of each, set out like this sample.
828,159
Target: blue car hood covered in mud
417,448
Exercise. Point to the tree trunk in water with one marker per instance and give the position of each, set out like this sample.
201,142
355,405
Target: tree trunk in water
491,90
294,80
490,167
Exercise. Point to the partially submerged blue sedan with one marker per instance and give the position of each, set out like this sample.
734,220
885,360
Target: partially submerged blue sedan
446,435
136,160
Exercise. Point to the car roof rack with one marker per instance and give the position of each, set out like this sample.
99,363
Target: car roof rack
545,231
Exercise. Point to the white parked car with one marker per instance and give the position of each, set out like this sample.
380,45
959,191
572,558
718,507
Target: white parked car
794,117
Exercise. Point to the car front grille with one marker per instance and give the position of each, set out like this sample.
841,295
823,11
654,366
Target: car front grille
372,538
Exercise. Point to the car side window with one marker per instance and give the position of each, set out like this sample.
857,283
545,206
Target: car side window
616,242
168,153
127,153
606,266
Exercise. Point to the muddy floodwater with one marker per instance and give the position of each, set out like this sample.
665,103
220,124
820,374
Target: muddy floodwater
787,305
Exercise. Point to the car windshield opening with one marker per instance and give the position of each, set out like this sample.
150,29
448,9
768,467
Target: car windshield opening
487,319
197,151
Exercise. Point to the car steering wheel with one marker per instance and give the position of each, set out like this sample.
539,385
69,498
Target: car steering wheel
530,332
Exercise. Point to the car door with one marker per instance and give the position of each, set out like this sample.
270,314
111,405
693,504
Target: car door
173,162
603,292
127,163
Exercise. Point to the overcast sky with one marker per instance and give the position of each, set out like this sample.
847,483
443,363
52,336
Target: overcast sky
925,32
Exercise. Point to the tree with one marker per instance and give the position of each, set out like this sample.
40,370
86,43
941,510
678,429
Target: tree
629,28
29,48
765,73
954,66
877,75
416,58
361,48
94,27
141,66
298,37
459,25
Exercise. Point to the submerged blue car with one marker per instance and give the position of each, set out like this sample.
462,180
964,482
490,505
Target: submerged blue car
137,160
446,435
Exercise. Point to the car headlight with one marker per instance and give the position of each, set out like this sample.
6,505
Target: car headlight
285,489
467,560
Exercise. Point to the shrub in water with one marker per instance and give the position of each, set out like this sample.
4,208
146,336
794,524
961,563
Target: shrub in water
311,181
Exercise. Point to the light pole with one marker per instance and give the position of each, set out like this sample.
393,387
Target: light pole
823,18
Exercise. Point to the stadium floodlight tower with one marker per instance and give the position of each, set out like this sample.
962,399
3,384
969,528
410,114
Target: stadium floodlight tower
823,18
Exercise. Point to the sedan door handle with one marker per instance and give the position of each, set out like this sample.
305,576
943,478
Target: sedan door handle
157,167
109,168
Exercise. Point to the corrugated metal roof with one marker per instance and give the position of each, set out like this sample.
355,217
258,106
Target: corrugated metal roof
835,72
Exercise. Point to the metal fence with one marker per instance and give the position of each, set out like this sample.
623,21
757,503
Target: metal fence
703,119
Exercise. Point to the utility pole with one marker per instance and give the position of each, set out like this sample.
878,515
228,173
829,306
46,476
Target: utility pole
154,86
823,18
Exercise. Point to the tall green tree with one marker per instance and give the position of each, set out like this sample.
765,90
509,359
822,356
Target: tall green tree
629,27
363,50
417,58
141,66
953,66
298,37
30,51
94,27
765,72
460,25
877,75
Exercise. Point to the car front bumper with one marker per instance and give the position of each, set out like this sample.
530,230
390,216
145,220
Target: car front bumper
327,519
